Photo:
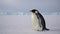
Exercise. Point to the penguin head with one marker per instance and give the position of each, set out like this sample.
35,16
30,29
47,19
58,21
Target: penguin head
34,11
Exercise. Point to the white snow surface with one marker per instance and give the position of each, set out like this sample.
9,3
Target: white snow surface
12,24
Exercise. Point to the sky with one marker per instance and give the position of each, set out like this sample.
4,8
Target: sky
24,6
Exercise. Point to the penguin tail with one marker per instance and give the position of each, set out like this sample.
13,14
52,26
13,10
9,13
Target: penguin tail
46,29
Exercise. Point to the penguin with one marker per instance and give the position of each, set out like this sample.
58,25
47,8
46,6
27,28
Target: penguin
38,21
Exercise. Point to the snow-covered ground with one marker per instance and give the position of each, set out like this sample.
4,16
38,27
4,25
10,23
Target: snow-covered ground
23,25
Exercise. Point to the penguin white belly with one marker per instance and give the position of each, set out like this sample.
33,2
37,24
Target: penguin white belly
36,23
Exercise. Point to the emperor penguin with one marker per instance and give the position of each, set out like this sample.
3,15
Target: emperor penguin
38,21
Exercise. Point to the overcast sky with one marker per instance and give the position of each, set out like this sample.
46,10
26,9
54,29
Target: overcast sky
44,6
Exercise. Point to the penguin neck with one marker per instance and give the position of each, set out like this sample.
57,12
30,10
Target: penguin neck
33,13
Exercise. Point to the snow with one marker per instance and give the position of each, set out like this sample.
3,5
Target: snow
13,24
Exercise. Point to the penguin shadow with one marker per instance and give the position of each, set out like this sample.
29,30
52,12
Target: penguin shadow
54,30
50,30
